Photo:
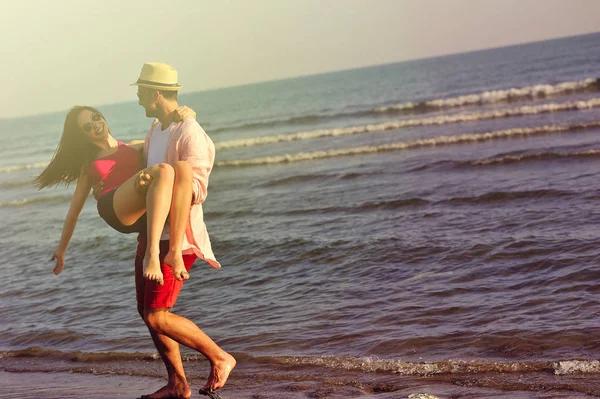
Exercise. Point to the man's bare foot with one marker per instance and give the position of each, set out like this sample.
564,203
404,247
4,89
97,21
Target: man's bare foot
152,270
219,373
169,392
175,260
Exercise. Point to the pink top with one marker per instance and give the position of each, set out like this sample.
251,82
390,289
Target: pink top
189,142
114,169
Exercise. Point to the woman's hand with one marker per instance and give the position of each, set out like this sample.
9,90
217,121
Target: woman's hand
59,257
182,113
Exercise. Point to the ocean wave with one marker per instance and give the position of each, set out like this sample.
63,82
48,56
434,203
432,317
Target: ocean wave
294,179
12,168
313,177
57,199
368,364
50,337
374,364
408,145
539,156
293,120
92,357
500,196
400,124
487,97
394,204
77,356
497,96
16,183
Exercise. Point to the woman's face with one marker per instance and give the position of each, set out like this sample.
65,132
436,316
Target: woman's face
92,125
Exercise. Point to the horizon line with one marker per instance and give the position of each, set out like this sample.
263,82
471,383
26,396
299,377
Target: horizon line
312,75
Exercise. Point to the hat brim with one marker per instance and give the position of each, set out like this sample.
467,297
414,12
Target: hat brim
157,86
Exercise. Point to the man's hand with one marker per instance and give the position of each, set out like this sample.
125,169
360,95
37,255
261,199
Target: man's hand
142,182
97,190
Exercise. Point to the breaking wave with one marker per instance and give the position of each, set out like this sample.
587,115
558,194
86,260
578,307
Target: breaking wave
365,364
16,184
57,199
497,96
540,156
12,168
407,145
374,364
488,97
400,124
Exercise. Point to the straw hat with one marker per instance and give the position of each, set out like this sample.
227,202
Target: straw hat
156,75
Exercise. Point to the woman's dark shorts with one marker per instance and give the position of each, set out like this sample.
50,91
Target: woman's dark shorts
107,212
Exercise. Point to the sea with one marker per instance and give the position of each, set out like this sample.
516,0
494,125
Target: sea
427,226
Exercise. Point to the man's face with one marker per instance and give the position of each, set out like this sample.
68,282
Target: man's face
147,99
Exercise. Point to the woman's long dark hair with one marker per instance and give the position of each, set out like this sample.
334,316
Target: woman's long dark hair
75,151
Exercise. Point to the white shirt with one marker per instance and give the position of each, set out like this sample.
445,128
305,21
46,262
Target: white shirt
156,154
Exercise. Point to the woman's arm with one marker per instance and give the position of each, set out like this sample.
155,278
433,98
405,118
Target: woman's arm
197,149
137,144
82,191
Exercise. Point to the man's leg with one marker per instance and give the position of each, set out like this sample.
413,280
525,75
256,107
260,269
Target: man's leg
187,333
167,348
158,299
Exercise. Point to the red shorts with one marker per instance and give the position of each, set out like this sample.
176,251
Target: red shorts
150,294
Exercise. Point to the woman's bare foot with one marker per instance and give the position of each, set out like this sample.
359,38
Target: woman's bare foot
219,373
175,260
152,270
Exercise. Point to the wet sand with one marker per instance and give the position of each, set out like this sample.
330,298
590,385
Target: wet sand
63,385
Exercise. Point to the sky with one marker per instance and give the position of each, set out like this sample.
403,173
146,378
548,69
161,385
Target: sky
59,53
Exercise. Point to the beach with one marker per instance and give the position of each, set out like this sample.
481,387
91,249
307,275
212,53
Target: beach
425,226
53,385
79,375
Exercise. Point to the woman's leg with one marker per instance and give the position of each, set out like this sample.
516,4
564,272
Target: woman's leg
179,217
130,205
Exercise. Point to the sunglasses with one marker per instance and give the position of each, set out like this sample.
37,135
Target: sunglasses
144,94
95,117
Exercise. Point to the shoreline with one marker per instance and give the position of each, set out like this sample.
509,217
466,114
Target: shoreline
270,384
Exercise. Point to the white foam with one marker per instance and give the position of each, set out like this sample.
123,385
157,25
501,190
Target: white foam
15,202
374,364
12,168
495,96
576,366
399,124
26,201
368,364
407,145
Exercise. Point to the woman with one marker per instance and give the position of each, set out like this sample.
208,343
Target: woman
88,153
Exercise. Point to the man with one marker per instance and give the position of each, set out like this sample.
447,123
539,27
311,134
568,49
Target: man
171,142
